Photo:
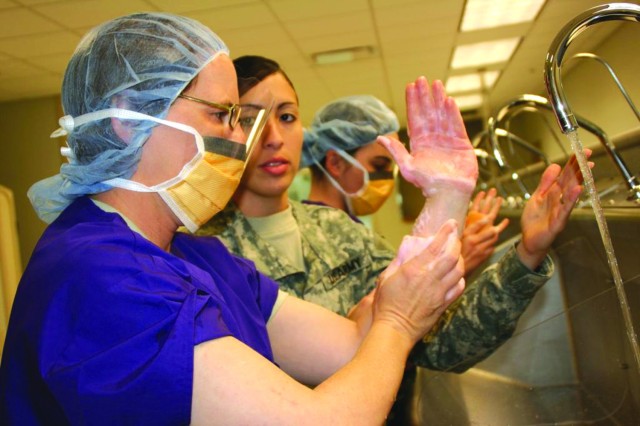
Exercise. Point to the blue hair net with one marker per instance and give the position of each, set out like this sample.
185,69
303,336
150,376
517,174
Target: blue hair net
346,123
139,62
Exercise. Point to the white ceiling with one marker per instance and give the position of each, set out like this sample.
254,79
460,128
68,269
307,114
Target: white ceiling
409,38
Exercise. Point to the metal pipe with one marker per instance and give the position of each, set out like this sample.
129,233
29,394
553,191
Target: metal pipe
553,61
613,75
538,102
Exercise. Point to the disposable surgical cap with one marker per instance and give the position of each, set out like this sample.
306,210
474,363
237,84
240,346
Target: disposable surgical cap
346,123
139,62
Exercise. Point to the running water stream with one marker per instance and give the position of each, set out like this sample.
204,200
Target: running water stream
606,239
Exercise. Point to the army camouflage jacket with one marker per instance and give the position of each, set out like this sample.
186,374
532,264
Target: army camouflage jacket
343,260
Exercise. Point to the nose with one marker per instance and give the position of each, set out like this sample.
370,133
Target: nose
271,135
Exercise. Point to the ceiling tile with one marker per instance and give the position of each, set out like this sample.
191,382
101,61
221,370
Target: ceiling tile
419,5
249,38
333,25
407,48
22,22
424,13
41,44
412,37
12,68
296,10
184,6
245,15
7,4
54,63
34,2
81,14
428,34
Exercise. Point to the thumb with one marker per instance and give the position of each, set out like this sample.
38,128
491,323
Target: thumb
395,148
400,155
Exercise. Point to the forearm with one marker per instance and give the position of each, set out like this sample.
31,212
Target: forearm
483,318
441,205
361,392
379,363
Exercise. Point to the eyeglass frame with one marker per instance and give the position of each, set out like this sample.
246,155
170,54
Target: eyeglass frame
234,110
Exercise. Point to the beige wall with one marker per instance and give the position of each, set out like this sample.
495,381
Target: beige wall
27,154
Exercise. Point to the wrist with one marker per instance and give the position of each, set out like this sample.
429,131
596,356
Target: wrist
529,259
395,331
442,203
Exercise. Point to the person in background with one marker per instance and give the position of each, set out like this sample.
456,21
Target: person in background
320,254
352,172
118,319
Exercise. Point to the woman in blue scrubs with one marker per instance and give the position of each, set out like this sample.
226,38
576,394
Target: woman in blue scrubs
119,320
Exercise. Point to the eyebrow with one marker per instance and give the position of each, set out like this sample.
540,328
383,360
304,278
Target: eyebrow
258,106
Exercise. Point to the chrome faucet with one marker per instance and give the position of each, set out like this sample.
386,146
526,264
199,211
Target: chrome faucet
567,121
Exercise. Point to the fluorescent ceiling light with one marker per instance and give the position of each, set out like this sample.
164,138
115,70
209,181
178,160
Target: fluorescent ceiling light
481,14
471,82
343,55
468,102
484,53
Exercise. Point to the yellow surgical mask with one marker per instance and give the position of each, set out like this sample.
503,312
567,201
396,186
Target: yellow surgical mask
378,188
204,185
375,190
208,186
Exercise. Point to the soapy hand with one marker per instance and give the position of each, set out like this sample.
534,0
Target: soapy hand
413,291
441,156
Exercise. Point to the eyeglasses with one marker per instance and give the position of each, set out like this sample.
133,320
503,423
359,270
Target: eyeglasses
233,110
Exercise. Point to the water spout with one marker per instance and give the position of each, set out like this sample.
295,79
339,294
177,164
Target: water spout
567,121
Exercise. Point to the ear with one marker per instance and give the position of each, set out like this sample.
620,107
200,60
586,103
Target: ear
334,164
122,128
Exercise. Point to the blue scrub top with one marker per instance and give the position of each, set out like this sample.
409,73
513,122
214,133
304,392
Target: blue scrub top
104,323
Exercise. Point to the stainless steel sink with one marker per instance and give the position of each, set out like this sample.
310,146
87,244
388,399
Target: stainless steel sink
570,360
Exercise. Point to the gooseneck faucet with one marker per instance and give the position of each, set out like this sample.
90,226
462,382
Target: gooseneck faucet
567,121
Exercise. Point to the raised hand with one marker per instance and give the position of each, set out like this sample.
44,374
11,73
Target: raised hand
480,235
547,211
442,156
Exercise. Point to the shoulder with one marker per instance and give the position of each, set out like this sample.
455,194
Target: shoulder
323,223
326,217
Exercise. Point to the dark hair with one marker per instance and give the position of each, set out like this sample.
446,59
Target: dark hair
251,70
317,172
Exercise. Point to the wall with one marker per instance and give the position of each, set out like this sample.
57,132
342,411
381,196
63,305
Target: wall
27,154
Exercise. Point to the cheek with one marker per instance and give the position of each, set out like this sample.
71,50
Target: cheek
353,180
294,139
